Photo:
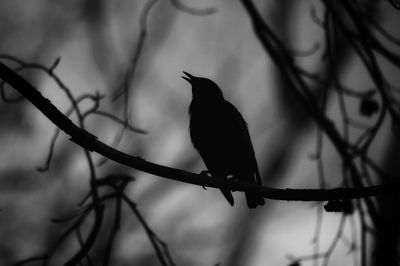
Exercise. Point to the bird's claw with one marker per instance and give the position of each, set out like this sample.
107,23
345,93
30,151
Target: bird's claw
232,178
205,173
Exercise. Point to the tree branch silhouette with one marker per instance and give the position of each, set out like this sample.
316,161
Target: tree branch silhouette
91,143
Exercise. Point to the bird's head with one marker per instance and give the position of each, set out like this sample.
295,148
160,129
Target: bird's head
203,89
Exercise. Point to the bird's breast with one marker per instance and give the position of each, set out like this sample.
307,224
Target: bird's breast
210,130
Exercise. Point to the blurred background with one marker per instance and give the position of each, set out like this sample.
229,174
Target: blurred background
141,48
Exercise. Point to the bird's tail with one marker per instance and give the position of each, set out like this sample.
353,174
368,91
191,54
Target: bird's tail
228,195
255,199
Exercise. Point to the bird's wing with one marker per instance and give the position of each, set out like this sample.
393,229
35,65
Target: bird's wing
241,135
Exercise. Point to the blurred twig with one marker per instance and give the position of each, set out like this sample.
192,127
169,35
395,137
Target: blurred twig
353,21
193,11
125,87
96,207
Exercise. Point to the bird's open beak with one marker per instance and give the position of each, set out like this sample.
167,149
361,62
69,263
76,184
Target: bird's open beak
188,77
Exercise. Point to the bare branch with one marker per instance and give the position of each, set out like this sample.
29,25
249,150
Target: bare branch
90,142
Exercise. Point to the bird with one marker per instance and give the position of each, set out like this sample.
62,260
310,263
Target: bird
220,134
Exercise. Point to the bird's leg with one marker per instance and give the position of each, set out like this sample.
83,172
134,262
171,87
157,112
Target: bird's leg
205,173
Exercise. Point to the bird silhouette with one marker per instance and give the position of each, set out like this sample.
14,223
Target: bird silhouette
220,134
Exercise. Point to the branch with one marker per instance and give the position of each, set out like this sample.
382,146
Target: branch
90,142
